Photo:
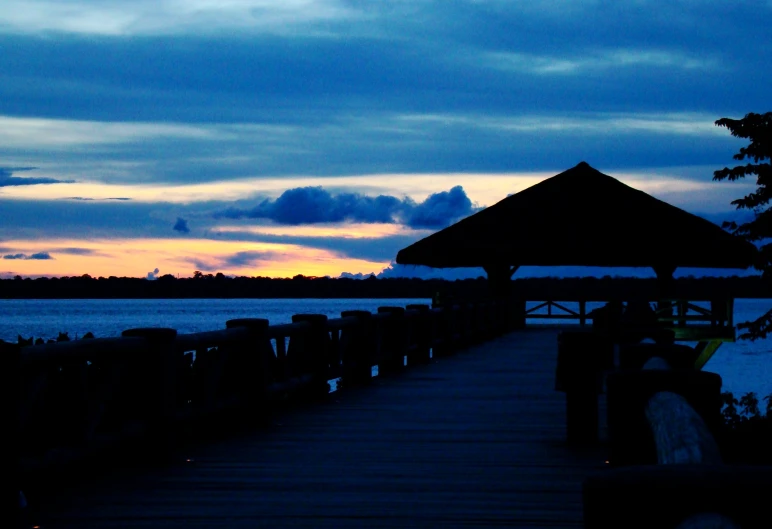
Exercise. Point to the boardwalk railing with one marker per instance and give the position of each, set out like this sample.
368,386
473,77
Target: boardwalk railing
691,320
665,466
150,387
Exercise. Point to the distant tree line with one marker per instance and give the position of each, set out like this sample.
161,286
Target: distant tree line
222,286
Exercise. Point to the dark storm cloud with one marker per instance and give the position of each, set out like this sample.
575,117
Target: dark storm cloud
313,205
437,209
40,256
181,225
7,179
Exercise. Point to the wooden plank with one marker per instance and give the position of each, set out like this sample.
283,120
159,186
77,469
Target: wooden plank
471,440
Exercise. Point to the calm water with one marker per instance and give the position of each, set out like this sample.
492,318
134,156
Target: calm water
744,366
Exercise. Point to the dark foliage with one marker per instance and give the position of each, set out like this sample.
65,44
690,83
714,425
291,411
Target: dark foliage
747,433
757,129
222,286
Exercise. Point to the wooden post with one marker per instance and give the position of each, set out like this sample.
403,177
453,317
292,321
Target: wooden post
358,349
10,374
582,312
252,364
666,288
394,341
649,496
421,335
634,356
462,325
682,308
582,359
312,357
631,441
160,362
444,332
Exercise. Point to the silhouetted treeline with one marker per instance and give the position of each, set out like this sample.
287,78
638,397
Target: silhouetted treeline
221,286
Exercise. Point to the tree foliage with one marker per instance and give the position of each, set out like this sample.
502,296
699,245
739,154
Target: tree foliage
757,129
746,434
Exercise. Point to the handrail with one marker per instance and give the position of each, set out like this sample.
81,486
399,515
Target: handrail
78,397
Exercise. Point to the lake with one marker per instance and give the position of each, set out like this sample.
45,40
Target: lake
744,366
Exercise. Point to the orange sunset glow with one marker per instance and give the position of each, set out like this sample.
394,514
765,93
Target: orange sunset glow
137,257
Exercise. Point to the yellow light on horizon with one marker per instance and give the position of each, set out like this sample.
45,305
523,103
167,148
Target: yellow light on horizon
136,257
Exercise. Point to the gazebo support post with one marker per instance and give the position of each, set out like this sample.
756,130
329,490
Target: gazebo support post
665,289
500,288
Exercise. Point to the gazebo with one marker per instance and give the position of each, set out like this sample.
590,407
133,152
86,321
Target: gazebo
581,217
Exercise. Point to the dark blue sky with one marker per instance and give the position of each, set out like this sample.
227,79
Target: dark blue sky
198,107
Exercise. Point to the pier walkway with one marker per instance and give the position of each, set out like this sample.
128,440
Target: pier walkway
476,439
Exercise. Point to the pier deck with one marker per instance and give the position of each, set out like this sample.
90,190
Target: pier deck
472,440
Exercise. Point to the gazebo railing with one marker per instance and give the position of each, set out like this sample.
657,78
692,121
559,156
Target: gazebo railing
564,313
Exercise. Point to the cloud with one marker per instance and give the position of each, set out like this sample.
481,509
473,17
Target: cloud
358,275
78,251
425,272
242,259
215,263
153,275
7,179
153,17
181,225
503,139
40,256
314,205
379,248
89,199
21,132
595,62
203,265
441,209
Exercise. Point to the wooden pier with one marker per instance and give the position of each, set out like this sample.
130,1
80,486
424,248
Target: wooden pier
472,420
471,440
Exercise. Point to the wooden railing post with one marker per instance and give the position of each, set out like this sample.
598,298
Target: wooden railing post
139,390
582,360
358,348
10,375
421,335
252,363
312,356
444,330
159,397
394,341
516,309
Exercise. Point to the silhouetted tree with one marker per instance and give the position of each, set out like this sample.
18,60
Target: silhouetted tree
757,128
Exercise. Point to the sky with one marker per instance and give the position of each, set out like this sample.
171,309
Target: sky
318,137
